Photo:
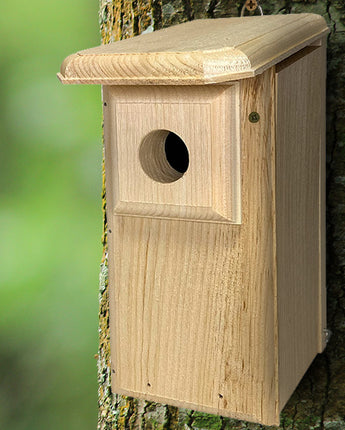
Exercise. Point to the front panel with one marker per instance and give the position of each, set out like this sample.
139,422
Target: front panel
193,301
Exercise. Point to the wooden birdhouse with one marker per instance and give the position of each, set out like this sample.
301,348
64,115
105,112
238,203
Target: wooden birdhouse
215,175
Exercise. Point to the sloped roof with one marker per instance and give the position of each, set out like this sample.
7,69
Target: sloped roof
196,52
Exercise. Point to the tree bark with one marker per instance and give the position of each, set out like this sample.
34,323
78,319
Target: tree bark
319,400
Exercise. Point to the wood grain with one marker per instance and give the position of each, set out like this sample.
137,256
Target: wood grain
300,216
219,316
193,304
322,200
207,120
196,52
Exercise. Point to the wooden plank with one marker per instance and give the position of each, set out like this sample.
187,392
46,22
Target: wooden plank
322,201
193,303
300,214
197,52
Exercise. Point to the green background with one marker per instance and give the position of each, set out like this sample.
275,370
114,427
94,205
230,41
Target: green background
50,219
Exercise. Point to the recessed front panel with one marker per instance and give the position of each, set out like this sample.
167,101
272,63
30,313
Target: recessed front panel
177,152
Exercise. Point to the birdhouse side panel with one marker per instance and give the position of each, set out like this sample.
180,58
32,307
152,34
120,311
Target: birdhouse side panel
300,214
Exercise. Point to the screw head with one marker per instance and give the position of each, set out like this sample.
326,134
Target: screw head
251,5
254,117
328,334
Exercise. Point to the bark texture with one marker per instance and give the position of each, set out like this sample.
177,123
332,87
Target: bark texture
319,401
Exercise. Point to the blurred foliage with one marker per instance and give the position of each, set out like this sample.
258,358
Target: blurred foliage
50,219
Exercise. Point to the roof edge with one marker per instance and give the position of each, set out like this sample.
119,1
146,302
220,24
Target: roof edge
255,54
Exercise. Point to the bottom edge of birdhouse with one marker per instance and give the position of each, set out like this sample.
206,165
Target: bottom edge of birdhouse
273,421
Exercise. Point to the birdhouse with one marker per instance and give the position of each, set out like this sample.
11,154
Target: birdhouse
215,176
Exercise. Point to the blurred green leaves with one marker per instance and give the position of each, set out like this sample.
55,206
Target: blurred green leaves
50,219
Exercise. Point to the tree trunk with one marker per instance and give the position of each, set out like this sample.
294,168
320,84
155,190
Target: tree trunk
319,400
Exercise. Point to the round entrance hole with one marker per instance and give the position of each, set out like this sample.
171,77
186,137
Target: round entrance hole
163,156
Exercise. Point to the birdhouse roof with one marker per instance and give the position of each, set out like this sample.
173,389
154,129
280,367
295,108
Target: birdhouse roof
196,52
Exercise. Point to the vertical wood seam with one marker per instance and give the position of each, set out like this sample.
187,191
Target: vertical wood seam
274,232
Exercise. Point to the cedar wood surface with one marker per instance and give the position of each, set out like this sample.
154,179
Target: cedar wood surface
287,338
207,118
197,52
197,304
300,214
